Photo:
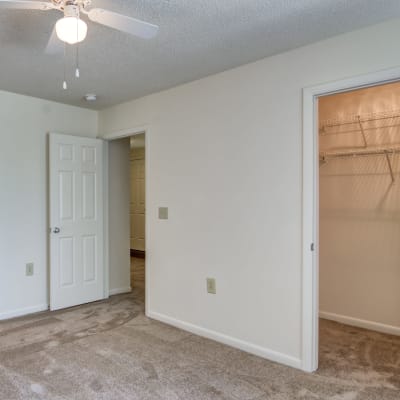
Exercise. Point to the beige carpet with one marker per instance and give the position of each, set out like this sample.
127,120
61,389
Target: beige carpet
110,350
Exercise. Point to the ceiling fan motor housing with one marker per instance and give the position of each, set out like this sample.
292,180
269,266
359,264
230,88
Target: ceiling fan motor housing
64,4
71,10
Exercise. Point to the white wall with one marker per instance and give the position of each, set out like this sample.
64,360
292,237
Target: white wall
119,226
24,124
360,215
225,157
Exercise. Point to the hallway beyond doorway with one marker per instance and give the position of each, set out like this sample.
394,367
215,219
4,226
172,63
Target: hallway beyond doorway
138,273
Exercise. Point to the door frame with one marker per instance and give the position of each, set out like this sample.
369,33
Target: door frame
310,198
108,137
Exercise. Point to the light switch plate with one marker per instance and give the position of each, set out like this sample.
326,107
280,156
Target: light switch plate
211,286
29,269
162,212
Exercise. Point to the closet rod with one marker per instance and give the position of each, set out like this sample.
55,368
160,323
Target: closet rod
361,152
322,132
357,119
324,157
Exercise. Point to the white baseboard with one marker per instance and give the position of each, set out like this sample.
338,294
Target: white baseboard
361,323
126,289
228,340
24,311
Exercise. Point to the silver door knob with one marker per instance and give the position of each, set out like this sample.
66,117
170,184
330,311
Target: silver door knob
56,230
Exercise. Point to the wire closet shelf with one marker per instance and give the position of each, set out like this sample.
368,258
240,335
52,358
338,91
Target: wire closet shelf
361,125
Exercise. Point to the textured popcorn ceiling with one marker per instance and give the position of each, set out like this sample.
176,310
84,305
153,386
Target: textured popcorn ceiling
197,38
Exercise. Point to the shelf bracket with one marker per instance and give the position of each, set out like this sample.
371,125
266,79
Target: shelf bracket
390,166
362,131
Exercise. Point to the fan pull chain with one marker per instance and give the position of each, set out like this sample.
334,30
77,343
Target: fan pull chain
65,86
77,72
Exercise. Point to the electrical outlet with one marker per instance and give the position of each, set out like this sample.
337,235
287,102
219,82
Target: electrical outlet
29,269
211,286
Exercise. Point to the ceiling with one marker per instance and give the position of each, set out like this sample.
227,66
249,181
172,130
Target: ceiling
197,38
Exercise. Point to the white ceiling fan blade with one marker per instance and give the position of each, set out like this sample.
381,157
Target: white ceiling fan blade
54,45
27,5
123,23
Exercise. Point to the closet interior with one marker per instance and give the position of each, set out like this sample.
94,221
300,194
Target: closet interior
359,208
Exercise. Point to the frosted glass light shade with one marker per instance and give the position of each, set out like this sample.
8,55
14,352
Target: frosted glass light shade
71,30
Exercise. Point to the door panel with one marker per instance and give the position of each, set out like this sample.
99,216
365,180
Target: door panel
66,179
89,195
67,261
89,258
76,211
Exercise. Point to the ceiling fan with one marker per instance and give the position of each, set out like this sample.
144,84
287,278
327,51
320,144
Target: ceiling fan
72,29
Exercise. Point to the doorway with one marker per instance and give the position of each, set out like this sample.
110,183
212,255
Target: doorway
137,211
126,156
310,202
359,227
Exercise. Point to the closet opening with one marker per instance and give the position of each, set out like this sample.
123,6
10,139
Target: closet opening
359,232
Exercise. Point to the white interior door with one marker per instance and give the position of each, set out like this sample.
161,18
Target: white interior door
76,220
137,206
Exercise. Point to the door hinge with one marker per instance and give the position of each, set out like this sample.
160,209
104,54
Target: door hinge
312,247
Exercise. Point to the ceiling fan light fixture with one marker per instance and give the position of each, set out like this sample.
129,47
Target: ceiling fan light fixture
71,30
